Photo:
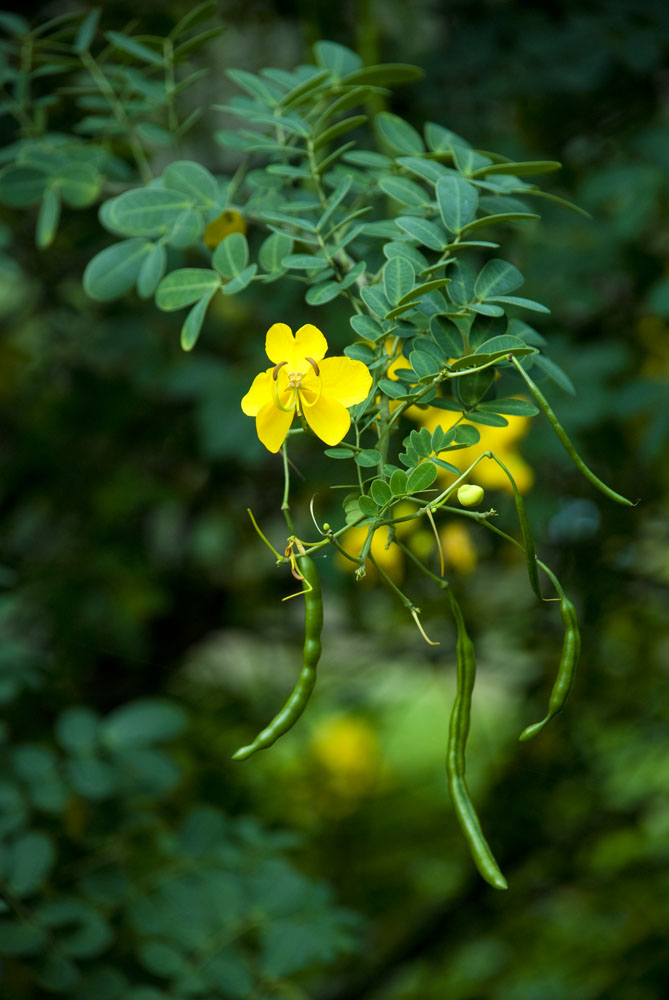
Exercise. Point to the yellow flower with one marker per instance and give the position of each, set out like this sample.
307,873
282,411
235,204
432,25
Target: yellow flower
502,440
229,221
303,380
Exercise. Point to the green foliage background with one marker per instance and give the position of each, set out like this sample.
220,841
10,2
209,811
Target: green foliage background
144,637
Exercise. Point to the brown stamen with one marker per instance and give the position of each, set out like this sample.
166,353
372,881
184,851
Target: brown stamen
277,368
313,365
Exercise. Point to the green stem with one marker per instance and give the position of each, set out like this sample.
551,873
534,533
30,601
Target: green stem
285,503
565,441
119,111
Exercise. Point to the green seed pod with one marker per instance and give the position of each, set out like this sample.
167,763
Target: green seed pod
470,496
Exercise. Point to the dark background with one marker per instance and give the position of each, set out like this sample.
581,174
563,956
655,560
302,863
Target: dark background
130,569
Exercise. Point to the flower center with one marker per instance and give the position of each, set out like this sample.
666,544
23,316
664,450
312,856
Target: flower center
294,380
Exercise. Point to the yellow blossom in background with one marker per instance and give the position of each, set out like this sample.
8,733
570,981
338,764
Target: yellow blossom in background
502,440
305,382
458,547
228,222
390,559
346,748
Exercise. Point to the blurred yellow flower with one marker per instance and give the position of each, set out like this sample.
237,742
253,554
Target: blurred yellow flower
347,749
458,547
502,440
228,222
304,381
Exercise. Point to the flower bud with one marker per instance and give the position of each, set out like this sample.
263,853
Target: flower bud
470,496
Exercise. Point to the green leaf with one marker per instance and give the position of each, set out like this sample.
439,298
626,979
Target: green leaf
30,859
366,505
429,170
133,48
186,230
143,723
511,406
359,352
408,251
114,271
147,211
86,933
427,233
352,276
466,436
423,289
399,135
442,140
334,200
486,417
185,286
422,477
468,160
151,272
382,75
86,31
398,279
240,281
318,295
403,190
554,373
336,58
21,186
193,180
304,89
381,492
496,278
398,483
273,250
231,256
375,300
393,389
192,325
77,730
461,289
339,453
423,364
504,344
367,458
21,939
493,220
486,309
522,169
457,200
254,85
446,337
79,183
47,219
366,327
336,130
305,261
368,158
516,300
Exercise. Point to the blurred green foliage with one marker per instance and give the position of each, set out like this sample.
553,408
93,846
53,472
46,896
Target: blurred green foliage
143,635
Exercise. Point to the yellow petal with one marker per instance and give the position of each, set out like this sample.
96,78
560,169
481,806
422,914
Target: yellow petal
328,419
310,343
259,394
280,343
345,380
229,221
272,425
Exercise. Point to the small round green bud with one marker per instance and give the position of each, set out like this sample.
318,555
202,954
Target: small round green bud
470,496
326,526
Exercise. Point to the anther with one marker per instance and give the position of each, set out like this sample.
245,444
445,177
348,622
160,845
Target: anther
313,365
275,373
